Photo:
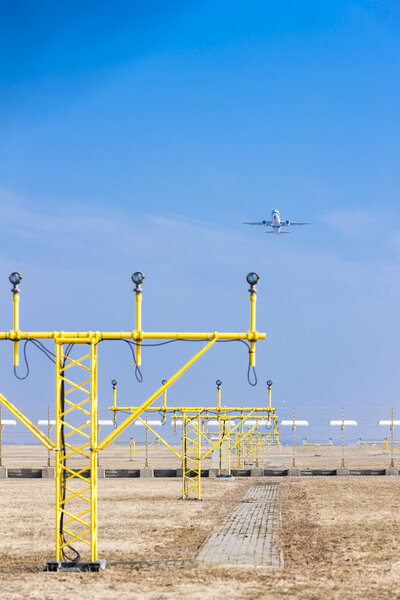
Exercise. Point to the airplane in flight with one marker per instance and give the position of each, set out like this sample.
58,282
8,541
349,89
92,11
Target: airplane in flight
276,223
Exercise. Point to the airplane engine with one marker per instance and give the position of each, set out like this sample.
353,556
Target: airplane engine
287,223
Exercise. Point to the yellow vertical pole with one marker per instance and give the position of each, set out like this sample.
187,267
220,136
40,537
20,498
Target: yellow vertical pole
199,456
59,470
1,443
49,428
93,449
253,300
114,386
16,324
164,381
138,324
183,452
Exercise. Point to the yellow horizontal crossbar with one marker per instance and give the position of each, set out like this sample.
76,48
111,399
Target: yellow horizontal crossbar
76,337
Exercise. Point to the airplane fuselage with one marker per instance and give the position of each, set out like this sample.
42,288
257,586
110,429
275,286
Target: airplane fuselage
276,221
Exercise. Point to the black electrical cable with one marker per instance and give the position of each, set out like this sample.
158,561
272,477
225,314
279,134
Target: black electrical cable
138,372
139,375
48,353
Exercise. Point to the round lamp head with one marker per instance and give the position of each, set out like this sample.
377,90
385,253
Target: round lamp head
114,383
164,381
219,383
269,383
252,278
138,277
15,278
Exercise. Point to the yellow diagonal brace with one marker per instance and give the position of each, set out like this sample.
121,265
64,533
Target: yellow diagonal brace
160,438
111,437
75,538
76,518
77,362
28,424
75,494
75,386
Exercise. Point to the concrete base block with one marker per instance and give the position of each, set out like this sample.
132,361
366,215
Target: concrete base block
213,473
48,472
146,473
179,472
101,472
257,472
293,472
3,472
343,471
391,471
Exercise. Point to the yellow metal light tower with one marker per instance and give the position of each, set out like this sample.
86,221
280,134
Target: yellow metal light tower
77,416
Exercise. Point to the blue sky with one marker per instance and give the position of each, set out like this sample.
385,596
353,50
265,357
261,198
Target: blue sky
142,137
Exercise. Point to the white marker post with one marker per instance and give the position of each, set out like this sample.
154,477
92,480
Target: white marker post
294,424
342,424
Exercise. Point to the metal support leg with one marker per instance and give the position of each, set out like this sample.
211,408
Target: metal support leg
76,459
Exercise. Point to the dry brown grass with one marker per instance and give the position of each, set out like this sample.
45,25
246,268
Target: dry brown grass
340,539
117,457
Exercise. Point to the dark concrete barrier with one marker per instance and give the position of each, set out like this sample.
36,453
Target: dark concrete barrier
241,472
115,473
165,473
25,473
318,473
366,472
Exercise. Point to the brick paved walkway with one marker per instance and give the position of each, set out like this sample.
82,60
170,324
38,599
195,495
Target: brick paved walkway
248,536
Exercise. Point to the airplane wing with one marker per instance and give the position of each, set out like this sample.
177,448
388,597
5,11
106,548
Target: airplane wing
294,223
258,223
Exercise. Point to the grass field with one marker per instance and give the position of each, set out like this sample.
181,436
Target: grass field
340,539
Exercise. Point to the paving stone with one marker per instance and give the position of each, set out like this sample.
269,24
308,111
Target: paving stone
249,535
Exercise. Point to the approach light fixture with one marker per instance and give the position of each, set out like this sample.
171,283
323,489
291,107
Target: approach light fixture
269,383
164,381
114,383
219,383
138,278
15,278
252,280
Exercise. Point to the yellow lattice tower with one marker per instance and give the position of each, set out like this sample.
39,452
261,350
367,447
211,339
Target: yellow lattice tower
76,438
191,456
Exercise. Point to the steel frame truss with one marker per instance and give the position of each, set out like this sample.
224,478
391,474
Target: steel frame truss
191,457
76,438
